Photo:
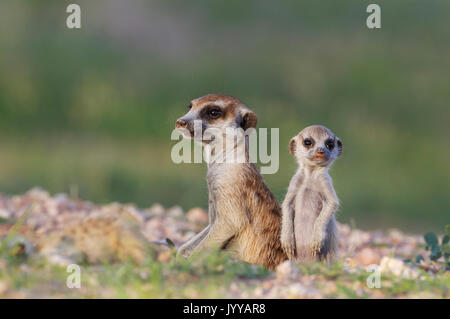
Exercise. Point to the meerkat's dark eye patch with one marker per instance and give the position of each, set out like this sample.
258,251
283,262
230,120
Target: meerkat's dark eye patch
308,142
214,113
329,144
190,106
211,112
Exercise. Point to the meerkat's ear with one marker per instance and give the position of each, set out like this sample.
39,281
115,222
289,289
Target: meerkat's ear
292,146
249,119
339,146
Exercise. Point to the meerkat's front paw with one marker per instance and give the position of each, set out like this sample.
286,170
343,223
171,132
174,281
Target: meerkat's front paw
316,244
288,246
315,248
182,252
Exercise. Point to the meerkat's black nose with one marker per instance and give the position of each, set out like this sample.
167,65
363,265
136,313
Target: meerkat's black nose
180,123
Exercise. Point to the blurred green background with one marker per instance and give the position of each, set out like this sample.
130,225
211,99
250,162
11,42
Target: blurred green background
91,110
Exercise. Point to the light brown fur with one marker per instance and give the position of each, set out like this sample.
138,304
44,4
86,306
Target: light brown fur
244,216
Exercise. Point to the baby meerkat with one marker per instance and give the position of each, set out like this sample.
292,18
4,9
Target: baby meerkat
308,225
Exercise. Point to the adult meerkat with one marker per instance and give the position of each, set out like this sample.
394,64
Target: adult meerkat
244,215
309,227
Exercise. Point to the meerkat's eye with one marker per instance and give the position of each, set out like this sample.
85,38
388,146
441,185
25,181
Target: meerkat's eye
190,106
214,113
307,142
329,144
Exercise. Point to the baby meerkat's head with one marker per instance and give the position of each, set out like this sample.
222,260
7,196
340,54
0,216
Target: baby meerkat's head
316,145
216,113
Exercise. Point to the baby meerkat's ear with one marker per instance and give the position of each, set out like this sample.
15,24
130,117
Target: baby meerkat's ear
292,145
249,119
339,146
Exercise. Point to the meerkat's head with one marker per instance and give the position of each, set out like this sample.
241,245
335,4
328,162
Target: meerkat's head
316,146
215,111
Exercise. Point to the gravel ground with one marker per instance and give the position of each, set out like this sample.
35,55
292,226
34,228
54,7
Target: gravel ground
42,221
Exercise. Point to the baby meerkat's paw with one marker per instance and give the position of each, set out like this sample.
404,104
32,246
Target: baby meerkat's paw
316,243
288,245
315,248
